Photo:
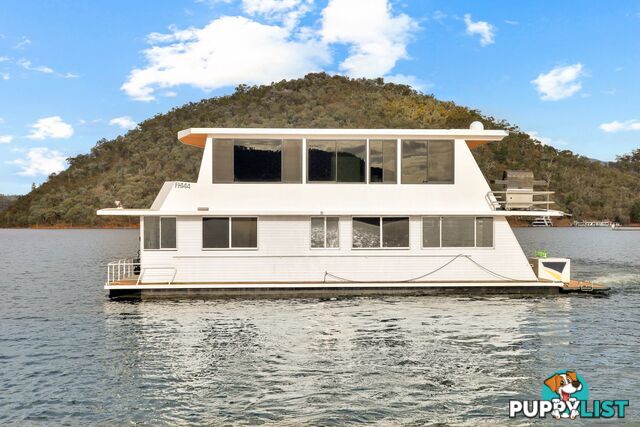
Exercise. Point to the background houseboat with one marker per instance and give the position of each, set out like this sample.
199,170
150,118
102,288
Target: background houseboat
323,211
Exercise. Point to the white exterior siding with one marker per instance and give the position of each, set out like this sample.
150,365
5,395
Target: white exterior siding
284,255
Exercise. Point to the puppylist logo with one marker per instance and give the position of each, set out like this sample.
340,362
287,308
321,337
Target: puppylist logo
565,394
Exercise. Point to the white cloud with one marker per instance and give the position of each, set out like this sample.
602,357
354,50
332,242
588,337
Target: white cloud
29,67
22,43
377,39
6,139
546,140
616,126
5,75
287,11
560,82
4,58
483,29
169,94
41,161
510,22
50,127
124,122
226,52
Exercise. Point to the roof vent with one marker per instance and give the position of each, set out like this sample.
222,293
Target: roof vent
476,126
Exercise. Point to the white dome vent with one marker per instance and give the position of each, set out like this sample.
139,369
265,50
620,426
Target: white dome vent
476,126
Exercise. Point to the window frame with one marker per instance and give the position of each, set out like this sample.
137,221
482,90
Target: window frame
282,162
230,231
325,247
402,162
381,234
160,248
475,235
336,141
396,162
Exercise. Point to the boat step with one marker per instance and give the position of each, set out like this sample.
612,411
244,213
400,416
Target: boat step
583,286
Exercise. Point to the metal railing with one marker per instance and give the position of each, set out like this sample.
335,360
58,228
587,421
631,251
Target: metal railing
129,269
520,199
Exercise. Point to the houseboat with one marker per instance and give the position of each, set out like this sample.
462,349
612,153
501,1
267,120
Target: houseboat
335,212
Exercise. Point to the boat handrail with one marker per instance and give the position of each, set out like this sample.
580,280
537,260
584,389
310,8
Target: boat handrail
520,199
131,269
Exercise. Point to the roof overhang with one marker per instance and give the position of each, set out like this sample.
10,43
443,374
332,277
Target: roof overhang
198,136
154,212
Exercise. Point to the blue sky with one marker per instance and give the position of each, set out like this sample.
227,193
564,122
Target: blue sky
72,73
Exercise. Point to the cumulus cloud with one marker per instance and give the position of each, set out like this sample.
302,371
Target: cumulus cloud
233,49
287,11
616,126
226,52
50,127
409,80
483,29
6,139
41,161
376,37
559,83
125,122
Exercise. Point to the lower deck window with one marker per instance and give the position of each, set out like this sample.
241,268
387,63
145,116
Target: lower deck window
229,233
325,232
457,232
159,232
377,232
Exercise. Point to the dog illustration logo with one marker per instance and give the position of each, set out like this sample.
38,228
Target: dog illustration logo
565,387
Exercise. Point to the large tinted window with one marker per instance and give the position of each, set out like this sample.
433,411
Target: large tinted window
395,232
244,232
292,160
382,160
215,233
414,162
336,161
223,160
257,160
427,162
151,232
484,232
440,162
431,232
458,232
321,159
366,232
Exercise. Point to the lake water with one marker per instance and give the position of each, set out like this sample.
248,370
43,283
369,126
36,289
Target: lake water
70,355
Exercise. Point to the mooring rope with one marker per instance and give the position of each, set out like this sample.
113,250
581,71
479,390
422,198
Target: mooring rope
506,278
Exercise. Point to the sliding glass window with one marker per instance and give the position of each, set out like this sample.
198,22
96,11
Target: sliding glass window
325,232
336,161
386,232
383,156
426,162
457,232
159,232
431,232
257,160
229,233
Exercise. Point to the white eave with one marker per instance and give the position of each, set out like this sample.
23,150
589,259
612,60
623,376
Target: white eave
154,212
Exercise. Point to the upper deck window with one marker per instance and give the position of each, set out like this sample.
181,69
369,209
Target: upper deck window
427,162
383,156
257,160
336,161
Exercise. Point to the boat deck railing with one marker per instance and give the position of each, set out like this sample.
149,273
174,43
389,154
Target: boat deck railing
520,199
129,271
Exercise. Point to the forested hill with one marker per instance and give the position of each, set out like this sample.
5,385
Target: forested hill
132,168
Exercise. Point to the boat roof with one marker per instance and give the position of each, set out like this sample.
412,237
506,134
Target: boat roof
197,137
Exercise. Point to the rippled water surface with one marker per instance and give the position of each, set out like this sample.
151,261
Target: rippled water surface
70,355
